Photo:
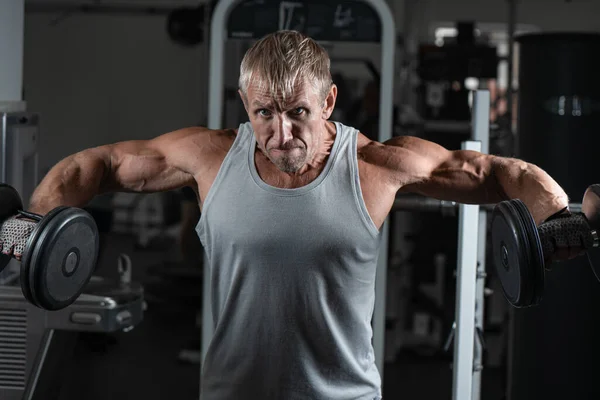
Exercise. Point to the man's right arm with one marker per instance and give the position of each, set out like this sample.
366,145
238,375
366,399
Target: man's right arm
166,162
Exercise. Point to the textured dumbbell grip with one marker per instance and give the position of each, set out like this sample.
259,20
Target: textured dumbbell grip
14,233
564,232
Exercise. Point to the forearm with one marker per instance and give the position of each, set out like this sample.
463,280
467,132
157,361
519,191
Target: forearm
518,179
74,181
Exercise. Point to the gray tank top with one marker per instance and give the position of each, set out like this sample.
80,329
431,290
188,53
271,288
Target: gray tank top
293,281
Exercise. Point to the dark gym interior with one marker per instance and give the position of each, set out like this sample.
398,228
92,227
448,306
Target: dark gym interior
79,74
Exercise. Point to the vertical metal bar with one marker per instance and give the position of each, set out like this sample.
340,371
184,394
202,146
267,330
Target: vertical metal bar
480,132
386,110
468,227
12,21
480,121
218,35
512,21
3,152
37,369
510,329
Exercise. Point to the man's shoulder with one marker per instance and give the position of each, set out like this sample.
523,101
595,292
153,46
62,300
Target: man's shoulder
367,149
225,136
390,155
200,148
211,140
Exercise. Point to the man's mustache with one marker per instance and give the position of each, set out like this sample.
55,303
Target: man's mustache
288,146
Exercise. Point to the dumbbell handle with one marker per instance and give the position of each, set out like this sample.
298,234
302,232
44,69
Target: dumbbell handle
33,216
565,231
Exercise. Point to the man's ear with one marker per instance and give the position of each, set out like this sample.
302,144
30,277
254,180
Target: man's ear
330,102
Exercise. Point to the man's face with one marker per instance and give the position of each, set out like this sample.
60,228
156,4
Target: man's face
289,133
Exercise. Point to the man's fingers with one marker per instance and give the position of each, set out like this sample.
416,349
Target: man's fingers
566,253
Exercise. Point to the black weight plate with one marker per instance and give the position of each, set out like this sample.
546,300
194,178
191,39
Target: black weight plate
535,253
590,206
10,201
66,259
10,204
27,254
507,251
511,253
63,258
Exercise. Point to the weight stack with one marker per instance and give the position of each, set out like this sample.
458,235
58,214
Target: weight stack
555,347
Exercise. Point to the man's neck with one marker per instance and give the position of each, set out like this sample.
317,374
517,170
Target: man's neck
326,141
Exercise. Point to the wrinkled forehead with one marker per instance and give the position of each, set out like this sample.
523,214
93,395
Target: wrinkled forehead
265,92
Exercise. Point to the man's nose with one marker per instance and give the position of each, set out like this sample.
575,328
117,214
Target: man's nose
283,130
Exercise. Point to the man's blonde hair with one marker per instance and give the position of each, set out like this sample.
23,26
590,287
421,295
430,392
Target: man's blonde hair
281,61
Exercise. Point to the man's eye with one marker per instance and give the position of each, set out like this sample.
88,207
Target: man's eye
299,110
264,113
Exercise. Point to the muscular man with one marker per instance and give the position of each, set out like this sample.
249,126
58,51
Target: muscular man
292,206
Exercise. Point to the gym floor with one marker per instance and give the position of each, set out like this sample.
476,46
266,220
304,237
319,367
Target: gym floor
143,363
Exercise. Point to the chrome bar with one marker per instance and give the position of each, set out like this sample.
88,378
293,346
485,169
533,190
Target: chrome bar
409,202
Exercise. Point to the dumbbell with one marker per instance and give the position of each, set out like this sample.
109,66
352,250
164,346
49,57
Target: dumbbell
520,248
60,254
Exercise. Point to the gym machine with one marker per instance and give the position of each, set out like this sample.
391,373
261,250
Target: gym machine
35,341
519,261
444,99
19,138
467,330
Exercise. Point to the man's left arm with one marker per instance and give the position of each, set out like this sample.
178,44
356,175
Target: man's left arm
471,177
